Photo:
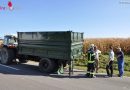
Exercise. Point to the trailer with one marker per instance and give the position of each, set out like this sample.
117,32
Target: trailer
51,49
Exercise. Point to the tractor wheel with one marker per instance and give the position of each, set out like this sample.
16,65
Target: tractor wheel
7,56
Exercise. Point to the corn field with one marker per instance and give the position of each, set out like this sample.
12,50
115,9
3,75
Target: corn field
1,43
104,43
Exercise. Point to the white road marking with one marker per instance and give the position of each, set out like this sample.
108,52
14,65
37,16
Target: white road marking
9,67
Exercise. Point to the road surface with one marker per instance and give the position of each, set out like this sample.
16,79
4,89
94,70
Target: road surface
28,77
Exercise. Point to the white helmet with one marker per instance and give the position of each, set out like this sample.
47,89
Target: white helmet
92,45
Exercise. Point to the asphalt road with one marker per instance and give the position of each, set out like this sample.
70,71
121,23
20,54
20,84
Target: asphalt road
28,77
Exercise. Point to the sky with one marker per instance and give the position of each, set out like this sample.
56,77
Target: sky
95,18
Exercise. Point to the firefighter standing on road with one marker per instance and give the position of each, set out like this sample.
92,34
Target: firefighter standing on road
91,62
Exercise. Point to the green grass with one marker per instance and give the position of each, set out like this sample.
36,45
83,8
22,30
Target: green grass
81,64
101,70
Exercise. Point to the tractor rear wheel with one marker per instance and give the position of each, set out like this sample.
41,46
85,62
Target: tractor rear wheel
7,56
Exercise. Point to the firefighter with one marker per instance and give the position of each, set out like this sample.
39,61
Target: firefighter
91,62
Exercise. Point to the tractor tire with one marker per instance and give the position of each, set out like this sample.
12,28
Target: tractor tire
46,65
7,56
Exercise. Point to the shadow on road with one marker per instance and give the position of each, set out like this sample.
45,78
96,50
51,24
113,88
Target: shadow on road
33,70
77,76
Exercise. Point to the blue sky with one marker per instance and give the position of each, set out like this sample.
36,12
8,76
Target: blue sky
96,18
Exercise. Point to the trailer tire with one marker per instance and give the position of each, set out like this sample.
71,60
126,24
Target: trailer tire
7,56
46,65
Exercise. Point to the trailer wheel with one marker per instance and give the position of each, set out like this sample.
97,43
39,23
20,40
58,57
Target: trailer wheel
46,65
7,56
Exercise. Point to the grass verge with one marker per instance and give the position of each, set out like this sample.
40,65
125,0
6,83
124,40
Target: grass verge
101,70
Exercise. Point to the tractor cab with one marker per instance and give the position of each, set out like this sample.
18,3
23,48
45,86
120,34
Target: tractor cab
10,41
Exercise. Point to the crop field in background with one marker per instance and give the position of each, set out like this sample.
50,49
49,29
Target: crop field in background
1,41
104,43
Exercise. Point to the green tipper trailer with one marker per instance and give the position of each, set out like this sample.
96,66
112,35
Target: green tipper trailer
51,49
